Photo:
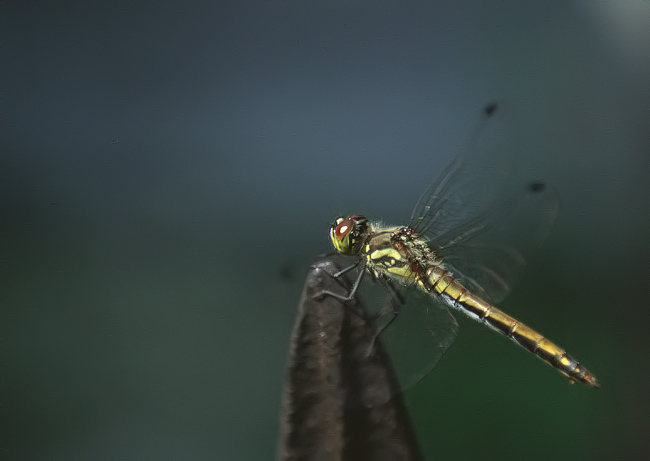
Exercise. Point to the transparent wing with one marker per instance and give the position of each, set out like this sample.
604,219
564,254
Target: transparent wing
473,181
418,336
489,254
485,213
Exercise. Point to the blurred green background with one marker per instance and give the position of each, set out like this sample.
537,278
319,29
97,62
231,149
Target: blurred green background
168,170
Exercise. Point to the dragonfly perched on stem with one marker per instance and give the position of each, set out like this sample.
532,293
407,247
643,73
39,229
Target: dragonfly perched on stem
452,250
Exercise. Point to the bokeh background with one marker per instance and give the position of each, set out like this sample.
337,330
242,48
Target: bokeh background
168,171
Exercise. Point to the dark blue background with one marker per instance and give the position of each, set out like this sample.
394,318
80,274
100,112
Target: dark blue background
168,169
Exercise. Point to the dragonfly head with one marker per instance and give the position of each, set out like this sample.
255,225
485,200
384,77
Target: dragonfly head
348,233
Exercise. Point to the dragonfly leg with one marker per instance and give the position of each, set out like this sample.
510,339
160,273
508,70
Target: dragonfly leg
346,270
396,298
342,271
355,286
396,301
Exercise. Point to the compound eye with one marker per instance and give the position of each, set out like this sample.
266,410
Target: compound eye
344,228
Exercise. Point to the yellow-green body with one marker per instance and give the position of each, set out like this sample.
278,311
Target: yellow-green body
401,254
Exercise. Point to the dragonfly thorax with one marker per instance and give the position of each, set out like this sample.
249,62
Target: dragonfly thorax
455,248
349,233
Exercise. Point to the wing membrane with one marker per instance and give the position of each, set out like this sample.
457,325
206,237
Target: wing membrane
418,337
485,213
489,255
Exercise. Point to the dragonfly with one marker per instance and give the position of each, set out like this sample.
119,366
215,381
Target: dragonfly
444,254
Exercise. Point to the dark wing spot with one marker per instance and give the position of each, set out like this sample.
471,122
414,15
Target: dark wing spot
490,109
536,186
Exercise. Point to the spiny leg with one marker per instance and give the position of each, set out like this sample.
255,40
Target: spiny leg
396,301
355,286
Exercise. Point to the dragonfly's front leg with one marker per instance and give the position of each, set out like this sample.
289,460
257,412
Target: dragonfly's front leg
355,286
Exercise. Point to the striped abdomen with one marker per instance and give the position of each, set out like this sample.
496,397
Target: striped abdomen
437,280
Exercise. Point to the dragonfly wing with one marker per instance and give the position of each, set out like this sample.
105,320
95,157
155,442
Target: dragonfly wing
484,214
472,181
414,350
488,254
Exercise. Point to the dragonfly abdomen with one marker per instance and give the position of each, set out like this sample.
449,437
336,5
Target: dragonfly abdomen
442,283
